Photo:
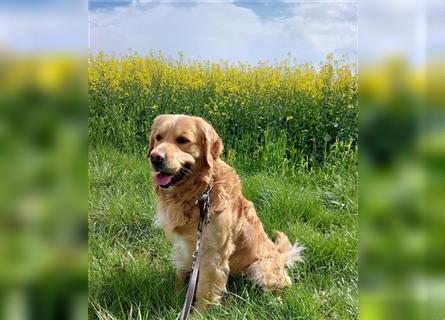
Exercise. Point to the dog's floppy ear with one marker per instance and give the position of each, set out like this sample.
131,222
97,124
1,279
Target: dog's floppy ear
212,143
151,138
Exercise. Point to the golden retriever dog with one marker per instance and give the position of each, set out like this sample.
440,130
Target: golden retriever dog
184,152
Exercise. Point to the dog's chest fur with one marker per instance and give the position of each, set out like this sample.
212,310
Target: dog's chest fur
179,219
176,216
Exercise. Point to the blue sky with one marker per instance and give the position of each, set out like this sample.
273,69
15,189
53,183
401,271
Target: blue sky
247,31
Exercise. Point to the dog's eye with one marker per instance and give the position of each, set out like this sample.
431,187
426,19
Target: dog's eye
182,140
158,137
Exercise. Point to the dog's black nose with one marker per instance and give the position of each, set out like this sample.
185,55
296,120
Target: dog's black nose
157,159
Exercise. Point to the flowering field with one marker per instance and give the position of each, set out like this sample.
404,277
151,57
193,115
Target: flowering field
306,110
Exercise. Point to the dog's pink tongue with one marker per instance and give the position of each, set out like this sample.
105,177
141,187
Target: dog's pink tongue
162,179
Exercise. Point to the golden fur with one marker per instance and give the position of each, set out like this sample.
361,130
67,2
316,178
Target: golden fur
235,241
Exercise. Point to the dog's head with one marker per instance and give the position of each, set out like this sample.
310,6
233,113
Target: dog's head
181,147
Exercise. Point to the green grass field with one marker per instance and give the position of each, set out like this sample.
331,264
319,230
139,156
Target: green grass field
131,274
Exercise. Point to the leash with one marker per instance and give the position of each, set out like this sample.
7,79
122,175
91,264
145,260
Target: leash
203,203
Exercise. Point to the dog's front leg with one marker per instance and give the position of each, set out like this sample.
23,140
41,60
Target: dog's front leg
182,257
214,266
212,281
180,276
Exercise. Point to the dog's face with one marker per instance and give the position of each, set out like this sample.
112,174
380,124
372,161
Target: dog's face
181,147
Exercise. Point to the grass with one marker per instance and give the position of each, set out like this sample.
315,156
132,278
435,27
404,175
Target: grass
131,274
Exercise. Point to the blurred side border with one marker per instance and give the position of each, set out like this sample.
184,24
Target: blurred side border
44,170
402,160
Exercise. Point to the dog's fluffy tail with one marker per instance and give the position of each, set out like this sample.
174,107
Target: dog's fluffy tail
289,253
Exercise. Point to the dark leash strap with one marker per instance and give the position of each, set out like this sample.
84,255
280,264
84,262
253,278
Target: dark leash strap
203,203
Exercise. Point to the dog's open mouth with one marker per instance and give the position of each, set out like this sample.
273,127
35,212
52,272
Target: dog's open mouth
166,180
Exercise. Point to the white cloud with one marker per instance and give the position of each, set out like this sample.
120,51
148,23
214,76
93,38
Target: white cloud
49,28
329,27
226,31
390,28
